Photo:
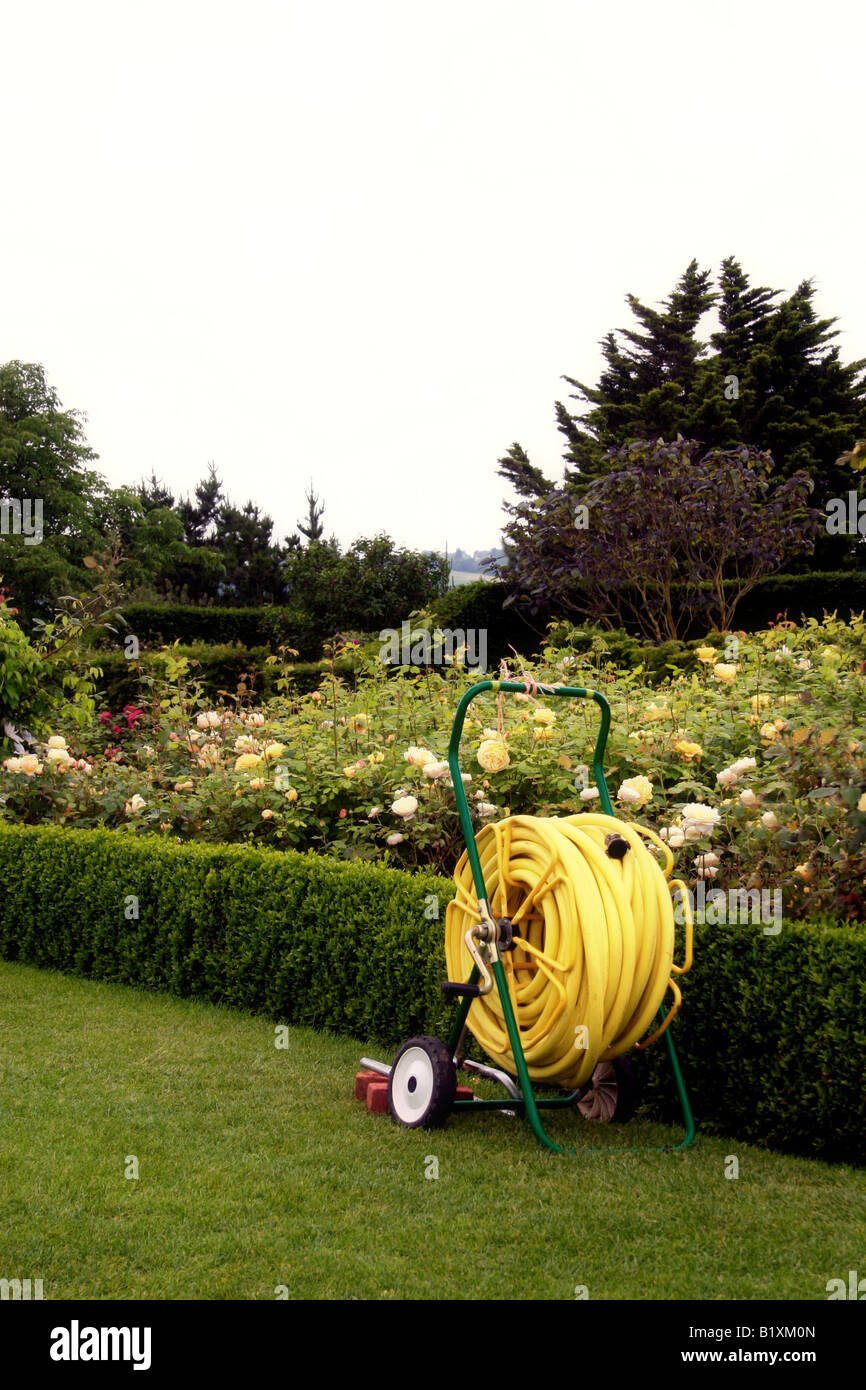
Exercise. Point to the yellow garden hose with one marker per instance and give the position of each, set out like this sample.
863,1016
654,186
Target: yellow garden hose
594,940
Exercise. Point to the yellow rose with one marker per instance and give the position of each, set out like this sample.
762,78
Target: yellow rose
30,764
349,770
636,791
769,732
267,814
56,741
545,733
760,702
257,783
246,760
183,786
707,654
688,750
544,716
725,671
563,761
291,794
274,750
493,755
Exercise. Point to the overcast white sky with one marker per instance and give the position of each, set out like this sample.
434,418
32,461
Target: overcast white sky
362,241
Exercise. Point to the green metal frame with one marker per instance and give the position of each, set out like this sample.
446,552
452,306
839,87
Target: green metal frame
530,1103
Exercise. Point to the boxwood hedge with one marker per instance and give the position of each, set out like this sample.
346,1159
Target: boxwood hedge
771,1037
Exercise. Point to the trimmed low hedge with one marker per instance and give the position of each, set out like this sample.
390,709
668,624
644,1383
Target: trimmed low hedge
302,938
162,624
157,625
799,596
217,667
771,1036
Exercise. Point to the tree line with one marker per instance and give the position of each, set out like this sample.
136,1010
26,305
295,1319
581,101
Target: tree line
202,549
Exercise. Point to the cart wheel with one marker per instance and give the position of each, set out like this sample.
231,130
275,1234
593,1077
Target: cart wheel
422,1084
611,1092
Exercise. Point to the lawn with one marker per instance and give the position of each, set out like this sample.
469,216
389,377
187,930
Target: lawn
258,1169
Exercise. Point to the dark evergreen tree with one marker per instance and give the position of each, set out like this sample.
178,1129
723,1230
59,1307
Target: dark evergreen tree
153,494
770,378
647,386
253,564
199,518
313,528
525,478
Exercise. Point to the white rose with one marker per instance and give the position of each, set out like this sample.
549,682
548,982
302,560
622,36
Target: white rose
699,819
748,798
707,861
770,820
395,839
436,770
418,757
405,806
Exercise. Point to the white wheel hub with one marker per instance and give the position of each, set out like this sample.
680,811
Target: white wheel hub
412,1083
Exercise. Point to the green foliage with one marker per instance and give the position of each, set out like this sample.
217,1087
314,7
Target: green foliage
158,625
482,606
220,668
653,540
43,459
772,380
771,1037
301,938
49,679
770,1034
374,585
479,607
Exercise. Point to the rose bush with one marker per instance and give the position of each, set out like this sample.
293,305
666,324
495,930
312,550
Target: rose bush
763,769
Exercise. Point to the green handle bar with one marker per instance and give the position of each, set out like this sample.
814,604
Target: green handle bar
515,687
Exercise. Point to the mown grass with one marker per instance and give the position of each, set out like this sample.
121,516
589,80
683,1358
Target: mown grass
257,1168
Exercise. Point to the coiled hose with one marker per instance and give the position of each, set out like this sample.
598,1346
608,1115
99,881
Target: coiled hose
594,940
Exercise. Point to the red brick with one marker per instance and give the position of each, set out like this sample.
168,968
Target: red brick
377,1096
464,1093
363,1080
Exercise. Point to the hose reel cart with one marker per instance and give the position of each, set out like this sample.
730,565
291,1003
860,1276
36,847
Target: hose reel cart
559,945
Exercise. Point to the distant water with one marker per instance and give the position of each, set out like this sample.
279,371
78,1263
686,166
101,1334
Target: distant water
464,577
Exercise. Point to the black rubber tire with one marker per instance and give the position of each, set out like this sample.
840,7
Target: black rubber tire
422,1084
619,1088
